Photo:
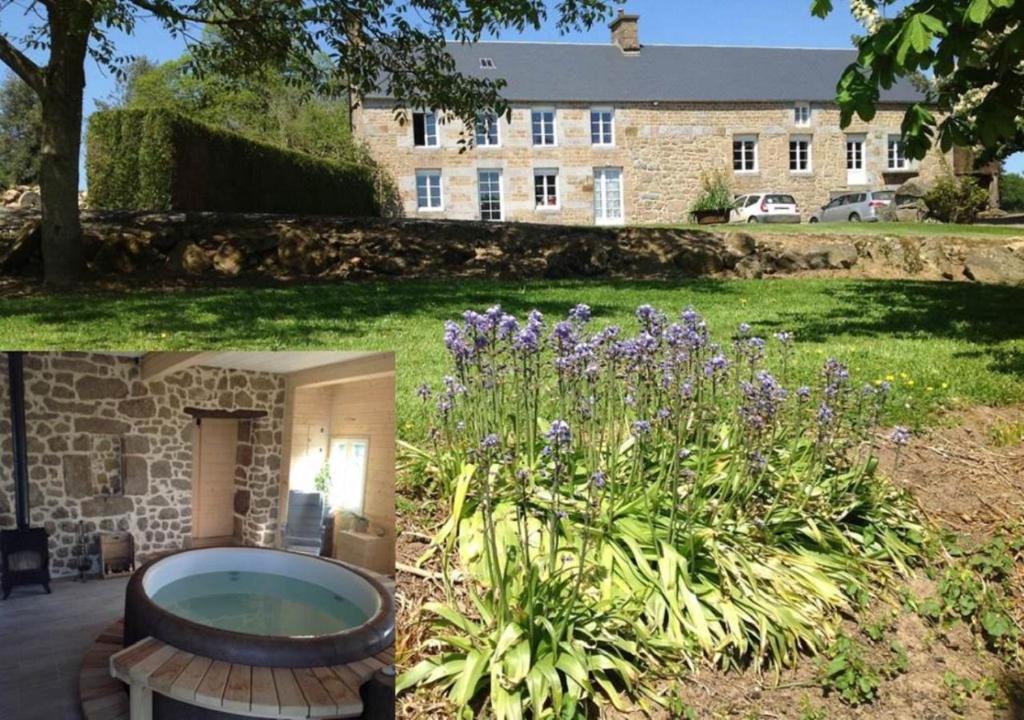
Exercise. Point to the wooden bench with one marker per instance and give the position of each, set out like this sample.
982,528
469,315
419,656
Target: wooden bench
153,666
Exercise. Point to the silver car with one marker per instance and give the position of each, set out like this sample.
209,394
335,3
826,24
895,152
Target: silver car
855,207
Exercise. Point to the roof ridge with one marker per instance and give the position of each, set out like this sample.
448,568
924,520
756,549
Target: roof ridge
672,45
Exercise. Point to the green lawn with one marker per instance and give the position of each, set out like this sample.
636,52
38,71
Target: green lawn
965,342
910,229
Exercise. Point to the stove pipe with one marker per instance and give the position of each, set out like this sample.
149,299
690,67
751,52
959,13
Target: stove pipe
16,374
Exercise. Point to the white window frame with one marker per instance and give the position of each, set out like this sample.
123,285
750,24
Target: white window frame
746,138
795,140
554,126
604,219
858,139
485,118
539,172
601,111
343,495
426,134
802,114
440,191
901,161
501,194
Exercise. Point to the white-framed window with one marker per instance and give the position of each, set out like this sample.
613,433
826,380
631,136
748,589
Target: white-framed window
608,196
897,158
545,188
602,126
744,153
854,152
424,129
802,114
489,191
487,63
488,130
429,193
544,129
346,462
800,154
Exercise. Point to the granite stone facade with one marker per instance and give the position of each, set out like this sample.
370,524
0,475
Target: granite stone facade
107,451
662,150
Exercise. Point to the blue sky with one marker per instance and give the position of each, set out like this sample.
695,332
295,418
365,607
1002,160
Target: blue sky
778,23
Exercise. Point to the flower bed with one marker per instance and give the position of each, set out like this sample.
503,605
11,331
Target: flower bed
626,506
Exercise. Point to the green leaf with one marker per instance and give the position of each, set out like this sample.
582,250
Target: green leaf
465,687
979,10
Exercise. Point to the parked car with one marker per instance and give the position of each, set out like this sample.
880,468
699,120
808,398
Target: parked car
855,207
765,208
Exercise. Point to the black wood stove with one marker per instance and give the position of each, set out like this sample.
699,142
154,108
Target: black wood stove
24,552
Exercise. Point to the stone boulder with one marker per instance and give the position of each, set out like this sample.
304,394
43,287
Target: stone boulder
29,200
994,265
25,245
189,259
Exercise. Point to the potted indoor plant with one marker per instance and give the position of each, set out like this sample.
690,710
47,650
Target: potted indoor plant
714,203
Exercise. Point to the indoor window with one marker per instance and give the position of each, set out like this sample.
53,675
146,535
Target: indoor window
347,465
800,154
602,126
543,127
424,129
487,130
744,153
545,189
428,190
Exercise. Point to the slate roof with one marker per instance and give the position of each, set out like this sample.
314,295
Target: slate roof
568,72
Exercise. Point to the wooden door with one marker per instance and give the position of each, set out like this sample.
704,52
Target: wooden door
213,489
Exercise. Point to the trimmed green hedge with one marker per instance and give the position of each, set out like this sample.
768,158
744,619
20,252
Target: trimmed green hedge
161,160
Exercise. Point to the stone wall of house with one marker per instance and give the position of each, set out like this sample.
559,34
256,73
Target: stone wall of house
663,150
110,452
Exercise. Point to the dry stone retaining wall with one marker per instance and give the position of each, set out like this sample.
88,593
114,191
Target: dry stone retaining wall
210,245
115,453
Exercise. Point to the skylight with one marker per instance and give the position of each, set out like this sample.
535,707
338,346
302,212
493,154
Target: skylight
486,63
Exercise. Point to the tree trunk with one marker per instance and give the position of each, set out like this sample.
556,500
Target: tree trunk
62,99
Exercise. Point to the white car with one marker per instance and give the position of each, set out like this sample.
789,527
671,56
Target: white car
765,208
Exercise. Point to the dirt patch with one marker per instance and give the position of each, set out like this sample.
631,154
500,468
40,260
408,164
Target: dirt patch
967,476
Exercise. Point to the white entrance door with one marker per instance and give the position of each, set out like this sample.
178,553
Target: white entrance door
856,162
489,182
608,196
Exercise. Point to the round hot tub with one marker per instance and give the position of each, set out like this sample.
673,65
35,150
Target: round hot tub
258,606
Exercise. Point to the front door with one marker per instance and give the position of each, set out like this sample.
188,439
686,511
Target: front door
608,196
856,166
214,443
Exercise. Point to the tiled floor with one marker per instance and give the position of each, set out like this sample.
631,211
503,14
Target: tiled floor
42,641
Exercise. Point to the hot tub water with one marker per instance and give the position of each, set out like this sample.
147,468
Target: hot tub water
259,603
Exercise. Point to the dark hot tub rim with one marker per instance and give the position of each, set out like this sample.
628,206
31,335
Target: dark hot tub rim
143,618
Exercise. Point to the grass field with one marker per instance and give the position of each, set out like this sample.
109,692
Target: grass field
862,228
964,342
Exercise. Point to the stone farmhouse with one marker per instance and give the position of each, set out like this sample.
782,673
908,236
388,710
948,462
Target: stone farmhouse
623,133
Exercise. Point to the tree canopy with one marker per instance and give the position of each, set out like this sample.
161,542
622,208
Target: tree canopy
967,55
20,133
272,107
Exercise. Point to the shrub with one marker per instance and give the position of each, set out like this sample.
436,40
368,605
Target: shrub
626,506
715,193
1011,192
953,200
160,160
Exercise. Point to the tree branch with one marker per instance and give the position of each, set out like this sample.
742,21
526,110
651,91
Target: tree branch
169,12
22,66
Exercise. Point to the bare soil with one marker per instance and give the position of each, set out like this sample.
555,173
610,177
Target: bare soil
967,476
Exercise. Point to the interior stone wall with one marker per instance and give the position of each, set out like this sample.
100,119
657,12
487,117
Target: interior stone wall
110,452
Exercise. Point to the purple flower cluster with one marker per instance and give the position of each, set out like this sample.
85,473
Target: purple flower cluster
900,436
761,403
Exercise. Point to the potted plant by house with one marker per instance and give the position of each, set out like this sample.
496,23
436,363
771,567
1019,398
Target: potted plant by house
714,203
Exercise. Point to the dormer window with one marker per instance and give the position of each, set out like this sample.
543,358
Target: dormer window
802,114
486,63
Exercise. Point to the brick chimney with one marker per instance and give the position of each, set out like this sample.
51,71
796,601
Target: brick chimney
626,33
